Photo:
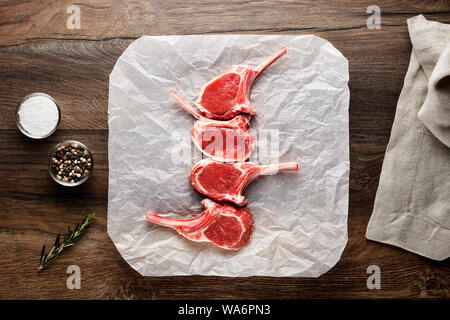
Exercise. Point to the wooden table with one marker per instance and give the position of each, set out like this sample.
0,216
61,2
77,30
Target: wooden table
39,53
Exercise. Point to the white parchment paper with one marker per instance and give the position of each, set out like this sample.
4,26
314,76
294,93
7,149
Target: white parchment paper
300,218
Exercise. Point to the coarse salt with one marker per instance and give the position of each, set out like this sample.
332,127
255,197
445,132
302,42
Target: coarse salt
38,115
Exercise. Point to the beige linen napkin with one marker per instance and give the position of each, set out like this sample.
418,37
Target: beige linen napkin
412,205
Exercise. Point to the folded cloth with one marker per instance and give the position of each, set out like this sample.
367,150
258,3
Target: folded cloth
412,205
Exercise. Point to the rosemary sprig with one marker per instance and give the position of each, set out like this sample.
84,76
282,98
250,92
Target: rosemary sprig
69,240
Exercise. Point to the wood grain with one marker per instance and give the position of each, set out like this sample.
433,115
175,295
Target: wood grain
39,53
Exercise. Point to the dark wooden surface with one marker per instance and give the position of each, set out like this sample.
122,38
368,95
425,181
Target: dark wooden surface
39,53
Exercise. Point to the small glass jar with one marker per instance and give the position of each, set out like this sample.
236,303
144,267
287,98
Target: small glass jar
54,176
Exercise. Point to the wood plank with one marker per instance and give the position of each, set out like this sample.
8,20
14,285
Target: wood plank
38,53
102,19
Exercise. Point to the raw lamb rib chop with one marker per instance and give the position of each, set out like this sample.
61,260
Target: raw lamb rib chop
229,93
221,140
226,181
222,224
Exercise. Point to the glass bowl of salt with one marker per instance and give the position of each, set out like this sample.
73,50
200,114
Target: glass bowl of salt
37,115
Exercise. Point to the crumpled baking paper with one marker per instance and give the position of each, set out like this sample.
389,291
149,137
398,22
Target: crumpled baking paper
302,101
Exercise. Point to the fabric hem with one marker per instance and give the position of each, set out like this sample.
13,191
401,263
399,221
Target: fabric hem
422,237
